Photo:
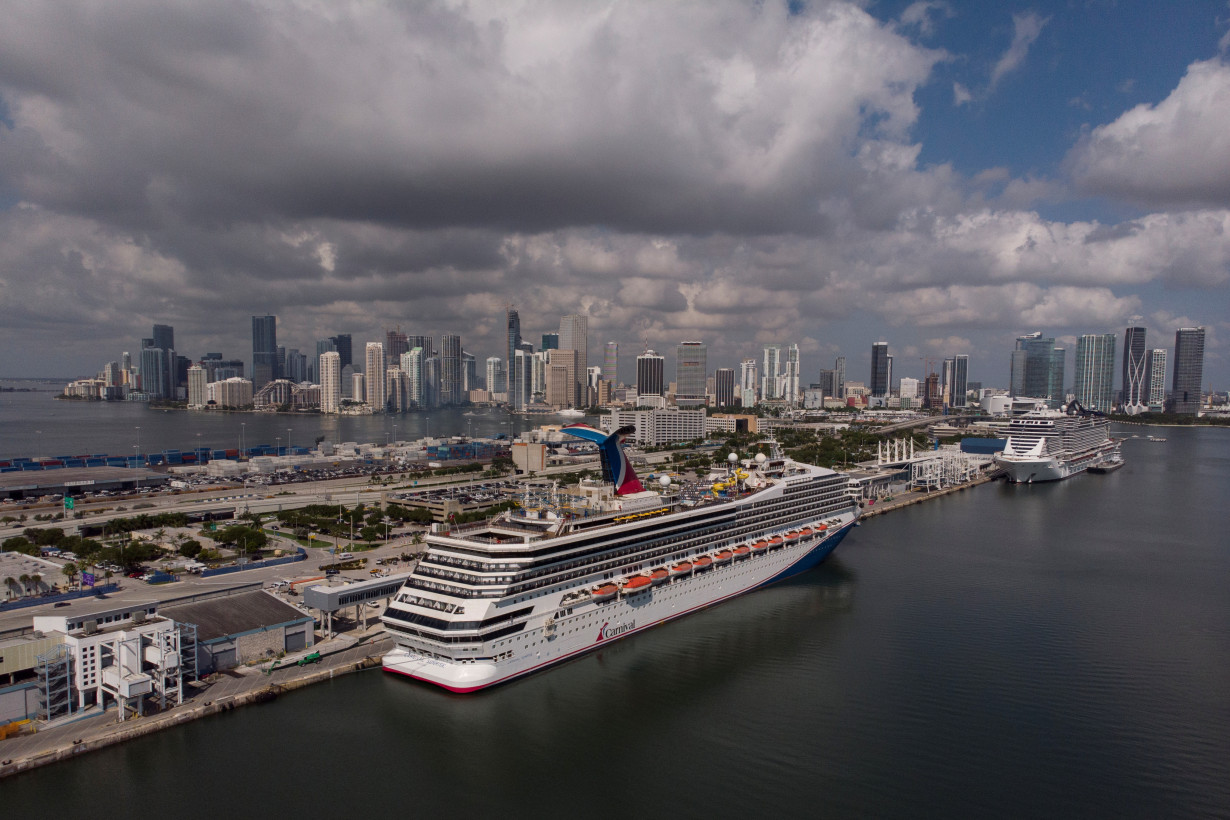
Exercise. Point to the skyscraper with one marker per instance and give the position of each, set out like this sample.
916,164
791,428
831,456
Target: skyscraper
550,341
650,369
424,342
1037,369
330,368
1135,392
960,380
342,344
748,382
724,387
164,337
610,362
1155,380
839,365
374,373
1095,371
1185,395
513,326
395,344
496,375
691,370
196,386
469,375
154,372
450,370
881,375
772,369
412,366
264,350
574,335
790,376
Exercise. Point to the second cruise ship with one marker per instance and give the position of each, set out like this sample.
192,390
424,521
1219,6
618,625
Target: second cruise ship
1049,445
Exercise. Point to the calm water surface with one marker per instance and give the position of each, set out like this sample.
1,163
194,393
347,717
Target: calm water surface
1054,650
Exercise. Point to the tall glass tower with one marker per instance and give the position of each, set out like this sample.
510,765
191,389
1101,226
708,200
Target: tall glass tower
1135,378
264,350
1188,371
1095,371
691,371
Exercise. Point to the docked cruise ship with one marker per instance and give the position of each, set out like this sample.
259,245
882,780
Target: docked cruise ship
494,601
1049,445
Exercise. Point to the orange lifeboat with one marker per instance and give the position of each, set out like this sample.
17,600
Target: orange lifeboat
775,541
723,556
637,583
760,546
793,535
658,576
682,568
703,563
821,527
806,531
742,551
604,592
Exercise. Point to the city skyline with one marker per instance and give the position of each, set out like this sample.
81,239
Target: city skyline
942,176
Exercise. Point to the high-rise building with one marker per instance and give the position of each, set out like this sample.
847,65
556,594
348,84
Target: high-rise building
343,345
197,384
357,388
496,375
374,372
397,387
610,362
650,374
513,327
450,371
431,381
296,366
1155,380
881,370
264,350
330,369
839,365
960,380
749,382
771,371
1185,395
550,341
395,344
790,385
164,337
1038,369
1135,393
574,335
154,373
691,370
828,383
412,366
1095,371
724,387
521,388
469,375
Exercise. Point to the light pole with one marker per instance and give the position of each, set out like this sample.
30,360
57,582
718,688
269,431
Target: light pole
429,427
198,445
40,443
288,441
138,441
242,425
278,449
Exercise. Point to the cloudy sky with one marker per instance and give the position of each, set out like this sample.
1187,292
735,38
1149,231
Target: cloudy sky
943,176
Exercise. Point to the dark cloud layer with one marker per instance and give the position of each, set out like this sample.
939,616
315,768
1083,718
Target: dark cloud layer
731,171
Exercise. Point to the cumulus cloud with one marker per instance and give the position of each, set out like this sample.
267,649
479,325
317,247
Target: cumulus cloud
1175,152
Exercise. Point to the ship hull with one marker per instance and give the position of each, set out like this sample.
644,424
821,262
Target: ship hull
593,626
1049,468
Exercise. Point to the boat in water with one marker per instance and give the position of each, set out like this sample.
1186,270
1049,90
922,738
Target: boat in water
497,600
1050,445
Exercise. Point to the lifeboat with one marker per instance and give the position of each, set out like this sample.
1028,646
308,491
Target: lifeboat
821,527
793,535
723,556
658,576
703,563
637,583
806,531
742,551
682,568
775,541
760,546
604,592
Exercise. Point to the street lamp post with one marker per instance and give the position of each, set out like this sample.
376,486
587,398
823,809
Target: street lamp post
39,433
288,441
138,441
242,425
278,448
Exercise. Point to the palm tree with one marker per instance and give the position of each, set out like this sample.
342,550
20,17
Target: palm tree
70,571
36,580
9,583
25,583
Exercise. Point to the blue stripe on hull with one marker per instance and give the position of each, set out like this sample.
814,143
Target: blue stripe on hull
813,558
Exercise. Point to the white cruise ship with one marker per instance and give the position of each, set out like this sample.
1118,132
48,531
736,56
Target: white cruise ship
494,601
1049,445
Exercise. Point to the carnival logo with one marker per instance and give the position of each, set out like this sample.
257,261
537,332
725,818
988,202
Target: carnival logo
607,631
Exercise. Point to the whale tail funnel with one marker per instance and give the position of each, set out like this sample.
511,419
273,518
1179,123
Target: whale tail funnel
615,465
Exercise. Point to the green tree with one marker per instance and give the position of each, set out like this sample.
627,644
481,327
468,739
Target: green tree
190,548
